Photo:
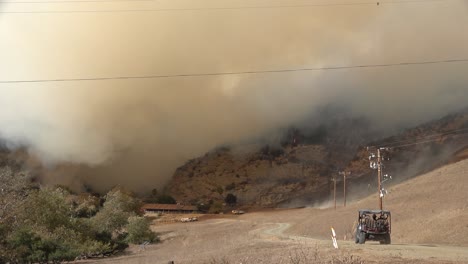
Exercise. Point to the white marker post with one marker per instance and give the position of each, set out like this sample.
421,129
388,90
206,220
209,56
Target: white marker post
335,243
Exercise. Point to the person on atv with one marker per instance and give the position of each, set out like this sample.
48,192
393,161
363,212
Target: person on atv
381,223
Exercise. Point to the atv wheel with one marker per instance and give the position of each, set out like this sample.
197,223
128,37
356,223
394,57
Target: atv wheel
388,239
362,238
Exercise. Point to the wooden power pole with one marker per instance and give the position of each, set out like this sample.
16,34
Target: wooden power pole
344,173
344,189
379,178
378,165
334,190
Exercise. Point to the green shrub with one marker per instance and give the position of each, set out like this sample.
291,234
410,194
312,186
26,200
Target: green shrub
166,199
29,246
230,199
47,208
54,226
117,208
216,207
139,231
202,207
156,197
110,220
120,199
230,186
86,206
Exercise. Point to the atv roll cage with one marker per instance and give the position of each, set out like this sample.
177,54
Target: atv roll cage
374,225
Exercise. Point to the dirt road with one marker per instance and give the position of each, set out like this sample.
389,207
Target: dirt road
256,239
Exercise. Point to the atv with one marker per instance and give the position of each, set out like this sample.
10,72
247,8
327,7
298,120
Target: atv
373,225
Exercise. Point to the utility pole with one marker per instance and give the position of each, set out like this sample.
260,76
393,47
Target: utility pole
344,173
334,190
379,178
344,189
378,165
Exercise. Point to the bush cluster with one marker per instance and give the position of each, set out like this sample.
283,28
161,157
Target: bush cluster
156,197
52,225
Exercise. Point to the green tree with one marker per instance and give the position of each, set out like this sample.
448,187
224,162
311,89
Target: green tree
166,199
139,231
121,199
118,207
219,190
216,207
156,197
47,208
64,244
49,231
110,220
230,199
51,225
86,205
230,186
203,207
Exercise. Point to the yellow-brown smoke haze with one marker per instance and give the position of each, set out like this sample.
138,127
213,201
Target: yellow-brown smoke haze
136,132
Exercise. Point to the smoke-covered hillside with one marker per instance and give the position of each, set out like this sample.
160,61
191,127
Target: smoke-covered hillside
298,171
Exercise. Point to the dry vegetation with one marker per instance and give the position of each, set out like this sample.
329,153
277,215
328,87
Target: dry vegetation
301,255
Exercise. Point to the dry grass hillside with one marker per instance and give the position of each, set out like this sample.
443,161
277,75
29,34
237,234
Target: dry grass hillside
429,226
429,209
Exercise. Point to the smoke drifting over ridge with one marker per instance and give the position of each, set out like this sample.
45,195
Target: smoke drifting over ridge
136,132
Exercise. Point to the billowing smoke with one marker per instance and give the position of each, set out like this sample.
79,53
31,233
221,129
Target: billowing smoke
136,132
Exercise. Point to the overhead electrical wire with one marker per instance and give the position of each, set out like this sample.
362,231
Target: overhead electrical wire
425,137
185,9
85,1
184,75
424,142
377,3
72,1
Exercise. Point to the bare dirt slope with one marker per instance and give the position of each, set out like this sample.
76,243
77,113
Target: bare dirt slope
430,225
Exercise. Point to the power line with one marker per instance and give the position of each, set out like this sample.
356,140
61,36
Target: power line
415,1
427,141
446,133
86,1
330,68
377,3
72,1
424,141
185,9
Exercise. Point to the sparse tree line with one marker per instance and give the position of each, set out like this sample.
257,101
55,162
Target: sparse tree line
53,225
216,206
161,198
203,205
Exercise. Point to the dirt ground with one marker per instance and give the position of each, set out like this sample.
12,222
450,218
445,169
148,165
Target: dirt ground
430,225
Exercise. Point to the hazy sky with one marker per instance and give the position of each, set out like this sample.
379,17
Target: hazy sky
132,131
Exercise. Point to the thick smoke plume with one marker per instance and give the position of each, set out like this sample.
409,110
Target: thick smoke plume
136,132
